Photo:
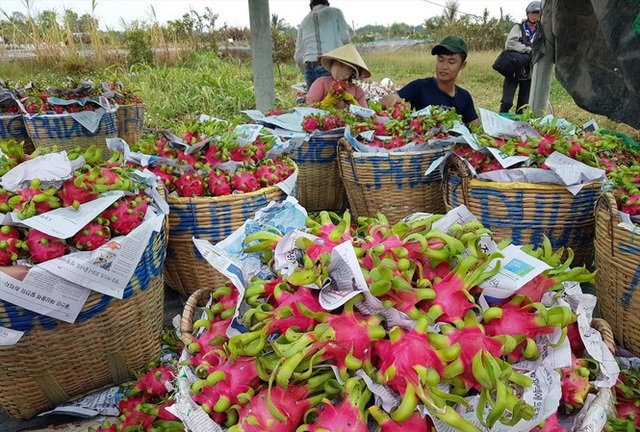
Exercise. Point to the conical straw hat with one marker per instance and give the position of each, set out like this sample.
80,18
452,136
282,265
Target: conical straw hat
347,54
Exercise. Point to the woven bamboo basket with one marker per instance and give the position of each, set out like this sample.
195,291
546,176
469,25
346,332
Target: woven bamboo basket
525,212
130,122
12,128
201,297
206,218
319,184
66,133
617,253
56,361
391,183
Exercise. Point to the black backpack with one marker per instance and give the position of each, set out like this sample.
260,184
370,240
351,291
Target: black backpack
513,64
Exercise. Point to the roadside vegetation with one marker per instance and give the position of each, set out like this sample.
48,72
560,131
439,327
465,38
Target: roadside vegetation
191,65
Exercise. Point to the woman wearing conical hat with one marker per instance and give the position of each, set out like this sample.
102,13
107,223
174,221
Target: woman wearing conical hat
339,90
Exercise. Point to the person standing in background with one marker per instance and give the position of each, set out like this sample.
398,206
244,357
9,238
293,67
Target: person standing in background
322,30
519,39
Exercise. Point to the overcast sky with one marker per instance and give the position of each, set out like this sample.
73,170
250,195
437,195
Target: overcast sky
236,12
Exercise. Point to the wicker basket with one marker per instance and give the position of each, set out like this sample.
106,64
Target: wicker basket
618,277
56,361
525,212
391,183
207,218
319,184
12,128
130,122
66,133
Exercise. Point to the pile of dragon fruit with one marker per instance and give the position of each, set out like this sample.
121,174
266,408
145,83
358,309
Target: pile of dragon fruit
208,159
88,182
604,151
36,98
627,402
428,347
390,129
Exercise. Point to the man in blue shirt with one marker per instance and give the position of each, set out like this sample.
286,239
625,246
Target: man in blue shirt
441,89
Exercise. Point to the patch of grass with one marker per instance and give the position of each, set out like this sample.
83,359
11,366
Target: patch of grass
205,83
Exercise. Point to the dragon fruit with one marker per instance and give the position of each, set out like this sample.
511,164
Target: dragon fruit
43,247
575,384
243,153
276,409
415,423
219,182
214,155
311,123
266,174
91,237
4,200
348,415
124,215
10,245
34,200
165,175
154,382
244,181
77,190
231,383
190,185
551,424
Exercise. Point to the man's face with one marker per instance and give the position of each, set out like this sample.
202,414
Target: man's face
533,17
448,66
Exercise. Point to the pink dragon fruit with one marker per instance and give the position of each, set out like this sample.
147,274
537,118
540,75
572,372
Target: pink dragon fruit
214,155
244,181
551,424
34,200
43,247
10,245
219,182
4,201
291,405
415,423
184,158
153,383
91,237
310,123
346,416
575,385
231,383
77,190
123,217
165,175
243,153
266,174
190,185
261,148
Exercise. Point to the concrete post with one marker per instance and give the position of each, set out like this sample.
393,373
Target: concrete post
543,68
262,54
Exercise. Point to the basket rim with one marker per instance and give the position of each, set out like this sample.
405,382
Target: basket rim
29,117
172,199
352,152
475,182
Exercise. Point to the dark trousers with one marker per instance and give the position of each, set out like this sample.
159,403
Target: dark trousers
509,90
313,73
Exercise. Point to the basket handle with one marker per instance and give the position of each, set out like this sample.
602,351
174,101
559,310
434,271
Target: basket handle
456,166
186,322
607,203
346,147
605,330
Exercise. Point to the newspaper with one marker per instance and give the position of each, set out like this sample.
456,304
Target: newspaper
104,402
345,279
65,222
45,293
190,413
516,269
285,256
573,174
459,215
291,121
51,169
109,268
497,126
9,336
